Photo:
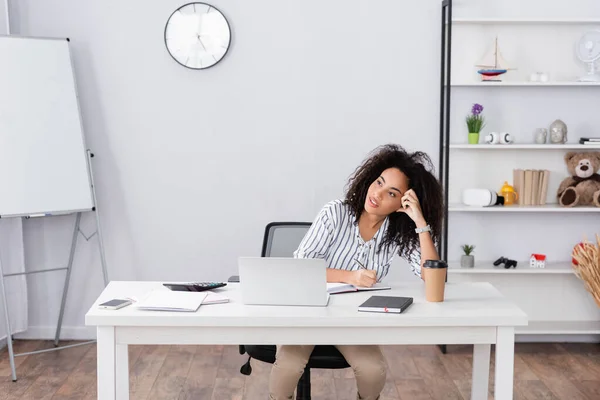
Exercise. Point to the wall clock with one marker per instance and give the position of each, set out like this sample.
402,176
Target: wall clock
197,35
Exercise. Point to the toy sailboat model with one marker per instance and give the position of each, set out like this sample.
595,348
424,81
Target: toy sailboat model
493,65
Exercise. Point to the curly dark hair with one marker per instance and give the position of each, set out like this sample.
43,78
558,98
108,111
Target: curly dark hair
416,166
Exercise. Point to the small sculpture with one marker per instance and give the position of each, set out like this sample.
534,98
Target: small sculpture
558,132
540,135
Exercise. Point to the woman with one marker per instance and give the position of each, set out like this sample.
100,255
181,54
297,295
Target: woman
393,205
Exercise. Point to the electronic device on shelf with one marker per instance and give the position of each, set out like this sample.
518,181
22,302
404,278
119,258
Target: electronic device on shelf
588,51
507,262
481,197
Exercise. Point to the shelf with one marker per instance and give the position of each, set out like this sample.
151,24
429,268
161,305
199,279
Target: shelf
525,21
517,208
560,328
524,83
487,267
574,146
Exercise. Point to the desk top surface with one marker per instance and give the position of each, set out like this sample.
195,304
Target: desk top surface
466,304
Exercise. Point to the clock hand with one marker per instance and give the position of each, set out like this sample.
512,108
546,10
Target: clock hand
204,47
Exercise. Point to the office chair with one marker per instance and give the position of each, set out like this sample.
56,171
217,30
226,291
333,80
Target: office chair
281,240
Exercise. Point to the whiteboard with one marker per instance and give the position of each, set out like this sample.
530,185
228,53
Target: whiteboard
43,158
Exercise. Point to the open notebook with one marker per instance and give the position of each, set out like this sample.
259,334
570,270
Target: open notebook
333,288
167,300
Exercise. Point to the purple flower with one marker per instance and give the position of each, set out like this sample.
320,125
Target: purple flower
477,109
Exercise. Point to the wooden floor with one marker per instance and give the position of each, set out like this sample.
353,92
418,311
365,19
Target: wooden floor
542,371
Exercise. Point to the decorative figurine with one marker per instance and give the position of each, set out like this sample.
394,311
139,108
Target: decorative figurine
540,135
493,65
537,261
558,132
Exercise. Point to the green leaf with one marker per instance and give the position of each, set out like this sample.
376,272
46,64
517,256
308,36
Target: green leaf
468,249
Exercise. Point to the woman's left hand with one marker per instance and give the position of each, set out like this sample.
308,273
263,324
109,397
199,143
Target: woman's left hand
412,208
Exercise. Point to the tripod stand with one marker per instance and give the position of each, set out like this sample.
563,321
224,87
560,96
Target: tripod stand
68,268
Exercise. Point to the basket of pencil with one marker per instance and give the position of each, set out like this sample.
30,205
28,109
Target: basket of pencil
586,263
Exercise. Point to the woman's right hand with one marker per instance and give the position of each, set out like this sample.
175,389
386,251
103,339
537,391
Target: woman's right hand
363,277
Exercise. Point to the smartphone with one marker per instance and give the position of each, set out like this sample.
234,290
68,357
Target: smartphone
115,304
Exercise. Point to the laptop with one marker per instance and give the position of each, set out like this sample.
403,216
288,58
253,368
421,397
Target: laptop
280,281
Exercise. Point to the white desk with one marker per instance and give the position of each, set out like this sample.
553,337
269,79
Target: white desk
473,313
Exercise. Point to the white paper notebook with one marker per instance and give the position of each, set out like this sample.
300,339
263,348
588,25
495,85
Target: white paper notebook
215,298
333,288
167,300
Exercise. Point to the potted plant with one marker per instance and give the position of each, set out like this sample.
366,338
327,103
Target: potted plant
475,122
467,260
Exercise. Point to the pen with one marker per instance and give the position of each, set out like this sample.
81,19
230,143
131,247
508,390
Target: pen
362,266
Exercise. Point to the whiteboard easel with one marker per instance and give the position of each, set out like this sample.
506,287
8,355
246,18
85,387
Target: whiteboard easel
45,167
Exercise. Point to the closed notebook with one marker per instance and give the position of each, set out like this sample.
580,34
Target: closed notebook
167,300
214,298
386,304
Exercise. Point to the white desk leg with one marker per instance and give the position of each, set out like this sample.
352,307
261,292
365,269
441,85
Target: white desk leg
481,371
505,363
106,363
122,371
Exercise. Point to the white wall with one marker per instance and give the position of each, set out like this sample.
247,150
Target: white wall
191,165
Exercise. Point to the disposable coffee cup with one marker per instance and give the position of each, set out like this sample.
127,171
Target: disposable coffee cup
435,279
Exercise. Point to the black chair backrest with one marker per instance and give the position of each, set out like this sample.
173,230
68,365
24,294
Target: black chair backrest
282,238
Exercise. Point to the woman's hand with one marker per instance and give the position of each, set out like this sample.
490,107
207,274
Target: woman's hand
412,208
363,277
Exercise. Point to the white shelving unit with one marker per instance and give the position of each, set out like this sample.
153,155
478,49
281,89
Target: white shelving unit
560,328
547,208
553,297
525,83
508,147
525,21
487,267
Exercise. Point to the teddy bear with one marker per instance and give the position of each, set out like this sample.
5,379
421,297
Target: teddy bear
583,186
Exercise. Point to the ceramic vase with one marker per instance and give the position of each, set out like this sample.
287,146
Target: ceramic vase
467,261
473,138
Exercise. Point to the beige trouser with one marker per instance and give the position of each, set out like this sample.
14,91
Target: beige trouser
366,361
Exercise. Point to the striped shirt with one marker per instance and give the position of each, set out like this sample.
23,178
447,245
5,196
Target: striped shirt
334,236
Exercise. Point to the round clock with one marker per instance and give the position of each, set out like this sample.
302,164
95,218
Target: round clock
197,35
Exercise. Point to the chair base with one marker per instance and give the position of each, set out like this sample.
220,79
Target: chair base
246,369
303,388
324,357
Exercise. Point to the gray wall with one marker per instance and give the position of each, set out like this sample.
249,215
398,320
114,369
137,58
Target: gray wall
3,30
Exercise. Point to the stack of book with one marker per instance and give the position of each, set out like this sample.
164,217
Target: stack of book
590,140
531,186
